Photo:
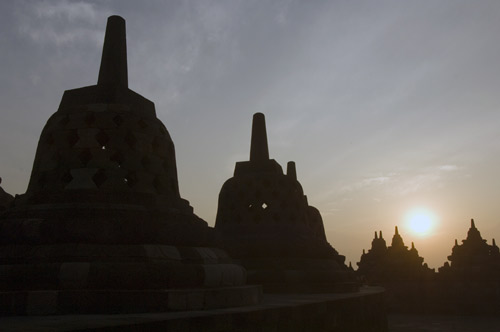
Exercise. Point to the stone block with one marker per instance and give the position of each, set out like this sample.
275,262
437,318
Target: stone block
41,302
162,252
73,275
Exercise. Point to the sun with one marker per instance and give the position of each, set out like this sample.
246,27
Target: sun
420,221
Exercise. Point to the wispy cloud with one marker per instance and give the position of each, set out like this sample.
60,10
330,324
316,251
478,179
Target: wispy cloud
61,22
404,182
449,168
368,182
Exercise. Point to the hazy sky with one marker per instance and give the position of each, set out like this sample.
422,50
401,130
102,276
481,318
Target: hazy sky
384,106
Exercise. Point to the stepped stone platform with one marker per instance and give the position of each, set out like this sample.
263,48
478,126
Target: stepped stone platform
361,311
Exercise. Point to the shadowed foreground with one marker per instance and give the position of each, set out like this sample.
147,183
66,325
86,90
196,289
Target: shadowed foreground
442,323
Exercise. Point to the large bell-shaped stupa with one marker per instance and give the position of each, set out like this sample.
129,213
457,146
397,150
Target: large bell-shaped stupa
265,221
102,226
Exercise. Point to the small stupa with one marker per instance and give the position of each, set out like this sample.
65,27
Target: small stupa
474,259
102,226
382,264
265,221
5,199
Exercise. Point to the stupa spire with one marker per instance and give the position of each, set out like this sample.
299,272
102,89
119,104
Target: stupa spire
258,148
113,70
472,224
291,170
396,231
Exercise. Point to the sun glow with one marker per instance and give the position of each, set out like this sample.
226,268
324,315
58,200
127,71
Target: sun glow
420,221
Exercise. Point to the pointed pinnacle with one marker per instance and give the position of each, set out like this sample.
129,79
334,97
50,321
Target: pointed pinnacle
380,235
258,148
494,244
456,242
291,170
396,231
113,70
376,236
412,245
472,224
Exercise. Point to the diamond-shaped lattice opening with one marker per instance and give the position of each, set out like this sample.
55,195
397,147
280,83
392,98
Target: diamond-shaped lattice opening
72,137
130,179
90,119
142,124
264,206
99,178
118,158
66,178
102,138
64,121
130,139
118,120
85,156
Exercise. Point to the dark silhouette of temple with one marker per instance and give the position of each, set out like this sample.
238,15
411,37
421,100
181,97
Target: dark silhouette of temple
266,222
474,259
102,228
102,224
5,199
394,263
469,285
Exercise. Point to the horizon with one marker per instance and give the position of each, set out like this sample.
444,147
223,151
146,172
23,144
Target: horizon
385,108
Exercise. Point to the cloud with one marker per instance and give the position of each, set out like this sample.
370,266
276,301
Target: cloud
368,182
61,22
404,182
448,168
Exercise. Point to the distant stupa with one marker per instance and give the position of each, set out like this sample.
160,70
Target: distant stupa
474,259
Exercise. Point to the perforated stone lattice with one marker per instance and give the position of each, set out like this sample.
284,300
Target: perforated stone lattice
262,199
106,148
